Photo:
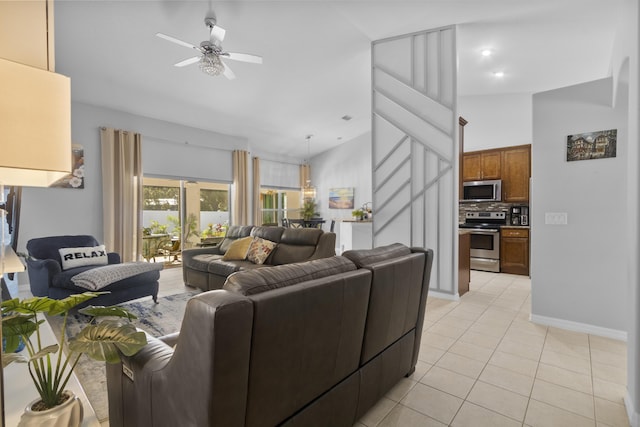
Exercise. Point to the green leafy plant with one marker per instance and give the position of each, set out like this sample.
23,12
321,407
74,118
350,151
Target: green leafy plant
309,209
50,367
358,213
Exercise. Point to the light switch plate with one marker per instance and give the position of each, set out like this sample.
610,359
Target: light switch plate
555,218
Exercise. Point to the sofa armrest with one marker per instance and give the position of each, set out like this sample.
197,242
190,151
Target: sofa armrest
114,258
41,272
171,339
326,246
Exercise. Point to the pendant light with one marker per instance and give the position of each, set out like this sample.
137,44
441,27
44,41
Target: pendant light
308,191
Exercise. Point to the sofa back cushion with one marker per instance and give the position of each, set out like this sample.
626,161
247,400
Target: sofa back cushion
234,233
47,247
396,294
251,282
306,337
296,245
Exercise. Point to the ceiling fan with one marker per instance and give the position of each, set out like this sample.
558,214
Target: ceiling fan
211,52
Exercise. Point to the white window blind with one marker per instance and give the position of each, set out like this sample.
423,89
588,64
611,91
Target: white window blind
279,175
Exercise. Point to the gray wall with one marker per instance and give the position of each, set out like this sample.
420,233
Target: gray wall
499,120
579,269
53,211
347,165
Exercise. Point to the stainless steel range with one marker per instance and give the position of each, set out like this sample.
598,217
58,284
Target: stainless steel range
485,239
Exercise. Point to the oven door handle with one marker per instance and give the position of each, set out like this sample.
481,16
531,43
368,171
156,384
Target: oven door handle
486,231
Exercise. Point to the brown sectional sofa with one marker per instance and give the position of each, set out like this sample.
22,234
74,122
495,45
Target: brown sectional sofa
204,268
308,344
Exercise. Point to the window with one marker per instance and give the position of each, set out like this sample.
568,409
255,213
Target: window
278,204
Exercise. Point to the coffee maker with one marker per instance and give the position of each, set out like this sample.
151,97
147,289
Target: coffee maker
519,215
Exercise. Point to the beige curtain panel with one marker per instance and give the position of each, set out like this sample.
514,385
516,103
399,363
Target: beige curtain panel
241,188
257,211
122,192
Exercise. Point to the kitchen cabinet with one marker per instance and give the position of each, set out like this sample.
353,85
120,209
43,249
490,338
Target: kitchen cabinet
482,165
356,235
516,171
514,250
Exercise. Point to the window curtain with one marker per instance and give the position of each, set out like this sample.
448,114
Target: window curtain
305,175
241,191
257,207
122,192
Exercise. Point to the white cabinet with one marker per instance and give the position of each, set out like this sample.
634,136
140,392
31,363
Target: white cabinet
356,235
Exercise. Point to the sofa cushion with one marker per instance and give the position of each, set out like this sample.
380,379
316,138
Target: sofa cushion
238,249
234,232
296,245
201,262
260,250
252,282
84,255
363,257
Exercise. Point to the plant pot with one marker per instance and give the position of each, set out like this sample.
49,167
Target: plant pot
69,414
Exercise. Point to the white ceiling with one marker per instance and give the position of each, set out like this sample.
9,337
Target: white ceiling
316,58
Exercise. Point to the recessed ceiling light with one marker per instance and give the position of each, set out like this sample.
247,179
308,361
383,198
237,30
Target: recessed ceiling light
498,74
346,117
486,52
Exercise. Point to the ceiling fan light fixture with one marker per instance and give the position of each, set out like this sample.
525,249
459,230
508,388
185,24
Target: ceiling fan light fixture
211,64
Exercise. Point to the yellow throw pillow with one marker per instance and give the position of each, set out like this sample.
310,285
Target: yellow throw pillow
238,249
260,250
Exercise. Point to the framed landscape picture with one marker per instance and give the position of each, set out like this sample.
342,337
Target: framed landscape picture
592,145
341,198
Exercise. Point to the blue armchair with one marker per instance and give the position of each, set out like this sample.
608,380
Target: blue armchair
48,278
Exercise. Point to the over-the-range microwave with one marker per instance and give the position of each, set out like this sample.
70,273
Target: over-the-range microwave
482,191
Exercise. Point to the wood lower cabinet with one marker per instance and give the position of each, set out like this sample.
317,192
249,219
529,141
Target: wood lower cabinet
514,250
516,170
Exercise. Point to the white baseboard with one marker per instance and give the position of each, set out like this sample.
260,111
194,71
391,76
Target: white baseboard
443,295
579,327
632,414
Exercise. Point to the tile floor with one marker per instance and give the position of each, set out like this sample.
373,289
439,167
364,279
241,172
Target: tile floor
482,363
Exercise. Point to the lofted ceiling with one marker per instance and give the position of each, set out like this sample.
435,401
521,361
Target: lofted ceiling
317,62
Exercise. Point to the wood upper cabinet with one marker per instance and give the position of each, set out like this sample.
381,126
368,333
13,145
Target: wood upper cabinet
516,171
514,250
510,164
481,165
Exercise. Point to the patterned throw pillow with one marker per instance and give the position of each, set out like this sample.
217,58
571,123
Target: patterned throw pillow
238,249
77,257
260,250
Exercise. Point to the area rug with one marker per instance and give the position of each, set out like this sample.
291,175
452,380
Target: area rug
156,319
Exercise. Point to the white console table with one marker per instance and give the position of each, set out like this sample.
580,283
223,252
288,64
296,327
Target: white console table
356,235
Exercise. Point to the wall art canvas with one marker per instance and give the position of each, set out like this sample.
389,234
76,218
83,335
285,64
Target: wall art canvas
592,145
341,198
76,178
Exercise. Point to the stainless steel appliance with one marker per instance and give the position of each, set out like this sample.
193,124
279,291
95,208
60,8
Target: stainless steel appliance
485,239
519,215
482,191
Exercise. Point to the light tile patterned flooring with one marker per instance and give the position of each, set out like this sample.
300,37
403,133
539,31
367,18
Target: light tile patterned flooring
483,363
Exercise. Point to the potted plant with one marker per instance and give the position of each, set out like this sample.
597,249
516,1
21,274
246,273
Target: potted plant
51,366
308,209
357,214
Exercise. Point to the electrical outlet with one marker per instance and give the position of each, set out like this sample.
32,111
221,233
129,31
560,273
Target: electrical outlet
555,218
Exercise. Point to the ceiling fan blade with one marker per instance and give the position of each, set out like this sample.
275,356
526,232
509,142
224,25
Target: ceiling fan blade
217,33
227,72
244,57
176,41
188,61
